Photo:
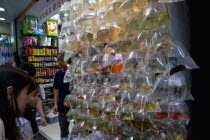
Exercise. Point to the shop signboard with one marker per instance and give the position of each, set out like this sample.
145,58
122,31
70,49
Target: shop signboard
52,8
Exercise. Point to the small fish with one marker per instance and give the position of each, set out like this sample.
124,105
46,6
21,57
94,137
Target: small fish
170,138
159,136
177,116
181,136
162,115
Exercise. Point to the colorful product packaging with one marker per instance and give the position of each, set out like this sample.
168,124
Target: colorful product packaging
51,28
29,41
43,41
30,25
54,42
41,29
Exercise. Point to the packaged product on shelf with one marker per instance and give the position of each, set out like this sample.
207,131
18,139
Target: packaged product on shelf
51,71
51,28
41,29
34,41
47,71
49,41
48,51
27,41
33,51
30,25
30,51
29,59
43,41
55,52
6,55
41,52
32,58
38,51
54,42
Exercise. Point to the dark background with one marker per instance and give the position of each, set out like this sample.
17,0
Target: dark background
200,45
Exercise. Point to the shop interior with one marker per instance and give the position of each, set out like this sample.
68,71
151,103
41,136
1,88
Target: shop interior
29,44
115,53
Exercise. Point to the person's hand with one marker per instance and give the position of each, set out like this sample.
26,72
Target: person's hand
55,109
43,121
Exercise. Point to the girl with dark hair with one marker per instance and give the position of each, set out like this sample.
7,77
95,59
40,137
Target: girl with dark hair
23,123
14,88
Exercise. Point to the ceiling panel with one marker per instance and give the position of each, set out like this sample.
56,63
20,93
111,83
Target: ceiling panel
37,8
13,8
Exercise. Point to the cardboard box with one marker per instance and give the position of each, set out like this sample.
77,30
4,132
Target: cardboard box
30,24
51,28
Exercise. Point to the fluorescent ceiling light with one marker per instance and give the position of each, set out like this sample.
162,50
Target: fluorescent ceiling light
55,17
2,9
2,19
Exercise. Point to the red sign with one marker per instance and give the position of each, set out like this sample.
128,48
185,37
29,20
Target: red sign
53,6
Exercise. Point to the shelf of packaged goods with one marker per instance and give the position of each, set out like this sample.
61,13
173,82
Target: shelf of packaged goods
46,83
48,103
42,55
40,47
40,61
43,76
39,35
48,67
